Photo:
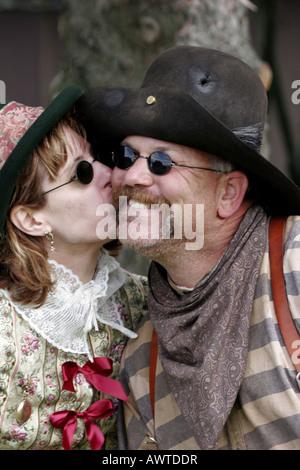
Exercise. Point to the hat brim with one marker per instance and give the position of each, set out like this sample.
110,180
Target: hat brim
12,168
111,114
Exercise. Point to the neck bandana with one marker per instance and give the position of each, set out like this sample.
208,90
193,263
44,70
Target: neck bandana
203,335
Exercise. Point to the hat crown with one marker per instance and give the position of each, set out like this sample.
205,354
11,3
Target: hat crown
227,87
198,98
15,120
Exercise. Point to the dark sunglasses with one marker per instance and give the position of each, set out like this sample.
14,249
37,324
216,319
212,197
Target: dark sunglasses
159,162
84,173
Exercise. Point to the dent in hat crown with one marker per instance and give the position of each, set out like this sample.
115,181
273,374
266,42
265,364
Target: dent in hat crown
226,86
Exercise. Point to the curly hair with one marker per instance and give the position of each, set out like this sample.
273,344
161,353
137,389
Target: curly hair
24,269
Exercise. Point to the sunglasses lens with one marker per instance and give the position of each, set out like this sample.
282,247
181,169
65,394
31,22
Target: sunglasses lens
159,163
123,157
84,172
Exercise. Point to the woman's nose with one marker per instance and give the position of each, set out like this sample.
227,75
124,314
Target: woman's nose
103,172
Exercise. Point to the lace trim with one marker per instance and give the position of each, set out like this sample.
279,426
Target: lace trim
72,308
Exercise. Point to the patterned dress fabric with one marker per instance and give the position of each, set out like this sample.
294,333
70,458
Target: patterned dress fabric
31,358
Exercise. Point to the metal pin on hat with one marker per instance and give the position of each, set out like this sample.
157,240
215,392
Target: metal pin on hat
151,100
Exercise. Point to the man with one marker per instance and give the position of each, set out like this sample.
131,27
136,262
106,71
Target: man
190,136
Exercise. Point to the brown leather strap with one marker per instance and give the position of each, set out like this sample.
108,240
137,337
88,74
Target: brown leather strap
152,375
284,317
152,369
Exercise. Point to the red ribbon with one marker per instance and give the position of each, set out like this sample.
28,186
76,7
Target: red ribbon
68,421
96,373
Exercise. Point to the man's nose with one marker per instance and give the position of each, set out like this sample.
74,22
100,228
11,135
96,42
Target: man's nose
139,174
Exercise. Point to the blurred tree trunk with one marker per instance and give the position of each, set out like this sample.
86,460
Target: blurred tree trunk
112,42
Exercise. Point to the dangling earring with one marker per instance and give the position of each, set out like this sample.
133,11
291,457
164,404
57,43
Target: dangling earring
50,237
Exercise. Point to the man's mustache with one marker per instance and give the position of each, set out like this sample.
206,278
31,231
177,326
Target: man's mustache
138,195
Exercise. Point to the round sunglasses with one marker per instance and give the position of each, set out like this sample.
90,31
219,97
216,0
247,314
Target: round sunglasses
84,173
159,163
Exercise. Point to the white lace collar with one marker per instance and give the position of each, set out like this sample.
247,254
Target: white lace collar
72,308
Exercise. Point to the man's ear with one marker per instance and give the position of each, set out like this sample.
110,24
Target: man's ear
233,187
28,220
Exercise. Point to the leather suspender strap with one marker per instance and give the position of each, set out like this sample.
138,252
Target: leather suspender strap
152,369
152,375
285,320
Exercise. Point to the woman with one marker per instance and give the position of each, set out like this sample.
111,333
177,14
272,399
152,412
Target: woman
66,307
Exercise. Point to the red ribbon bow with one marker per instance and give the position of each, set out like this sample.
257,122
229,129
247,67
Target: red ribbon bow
96,373
68,421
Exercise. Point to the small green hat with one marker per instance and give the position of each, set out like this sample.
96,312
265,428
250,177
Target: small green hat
21,129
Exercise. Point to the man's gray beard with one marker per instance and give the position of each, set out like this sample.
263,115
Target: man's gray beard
157,250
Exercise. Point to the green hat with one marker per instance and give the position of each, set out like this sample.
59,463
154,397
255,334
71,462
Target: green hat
199,98
21,130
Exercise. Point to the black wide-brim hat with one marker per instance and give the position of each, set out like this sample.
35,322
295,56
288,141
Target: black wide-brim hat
22,128
195,97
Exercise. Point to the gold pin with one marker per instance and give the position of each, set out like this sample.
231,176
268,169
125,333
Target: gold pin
151,100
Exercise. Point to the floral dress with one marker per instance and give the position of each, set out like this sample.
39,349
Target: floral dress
77,325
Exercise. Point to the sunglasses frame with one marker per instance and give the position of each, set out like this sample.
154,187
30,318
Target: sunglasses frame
137,155
75,177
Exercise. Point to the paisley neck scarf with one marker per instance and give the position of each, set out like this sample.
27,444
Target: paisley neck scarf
203,335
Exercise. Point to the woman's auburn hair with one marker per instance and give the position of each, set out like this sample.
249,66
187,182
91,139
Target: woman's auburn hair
24,267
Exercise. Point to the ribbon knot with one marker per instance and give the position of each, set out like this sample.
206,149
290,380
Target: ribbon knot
68,421
96,373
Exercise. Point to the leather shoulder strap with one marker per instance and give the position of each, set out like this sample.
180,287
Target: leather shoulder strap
285,320
152,377
152,369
